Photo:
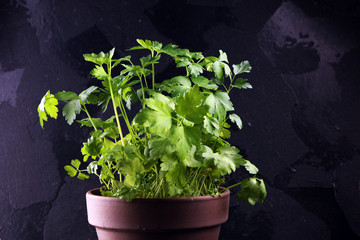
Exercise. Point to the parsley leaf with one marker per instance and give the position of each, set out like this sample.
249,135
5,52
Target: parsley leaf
189,106
219,104
217,68
252,191
47,106
190,159
177,86
70,110
236,119
157,117
99,73
87,96
71,171
241,83
204,83
195,69
226,159
184,138
243,67
212,126
66,96
160,145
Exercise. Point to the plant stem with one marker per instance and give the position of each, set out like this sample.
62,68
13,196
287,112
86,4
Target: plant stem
87,113
153,71
123,112
114,105
143,92
234,185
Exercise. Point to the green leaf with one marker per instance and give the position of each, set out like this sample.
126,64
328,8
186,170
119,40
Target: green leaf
66,96
70,110
177,86
93,145
252,191
204,83
168,162
212,126
92,167
99,73
135,70
182,61
223,57
42,117
111,53
98,122
176,174
189,106
82,176
184,138
173,50
217,69
157,118
196,55
251,168
157,46
181,80
195,69
128,162
224,132
219,104
85,95
75,163
165,99
242,83
236,119
146,61
227,69
47,106
191,161
118,61
226,159
103,100
71,171
160,145
243,67
96,58
208,62
50,105
145,44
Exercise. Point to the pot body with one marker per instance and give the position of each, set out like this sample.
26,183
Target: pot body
190,218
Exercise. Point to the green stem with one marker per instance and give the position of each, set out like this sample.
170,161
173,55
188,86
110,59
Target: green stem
123,112
87,113
195,176
143,91
146,84
114,105
225,87
153,71
234,185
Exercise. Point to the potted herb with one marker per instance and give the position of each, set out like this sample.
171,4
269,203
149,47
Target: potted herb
160,171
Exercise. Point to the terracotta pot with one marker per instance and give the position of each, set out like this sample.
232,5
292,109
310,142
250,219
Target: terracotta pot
190,218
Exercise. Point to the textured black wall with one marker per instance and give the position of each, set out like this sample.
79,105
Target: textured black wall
301,119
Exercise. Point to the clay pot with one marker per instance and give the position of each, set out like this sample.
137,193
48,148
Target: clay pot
190,218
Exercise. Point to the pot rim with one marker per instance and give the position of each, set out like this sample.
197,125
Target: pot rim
94,193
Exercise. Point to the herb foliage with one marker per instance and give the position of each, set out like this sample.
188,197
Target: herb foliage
177,143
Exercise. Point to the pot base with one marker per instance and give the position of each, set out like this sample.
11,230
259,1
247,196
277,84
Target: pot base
190,218
209,233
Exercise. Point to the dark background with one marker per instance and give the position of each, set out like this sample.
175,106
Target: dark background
301,119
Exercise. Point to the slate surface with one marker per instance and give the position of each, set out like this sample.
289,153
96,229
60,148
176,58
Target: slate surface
301,120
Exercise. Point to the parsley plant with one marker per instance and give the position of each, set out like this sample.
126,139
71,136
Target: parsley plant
176,145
